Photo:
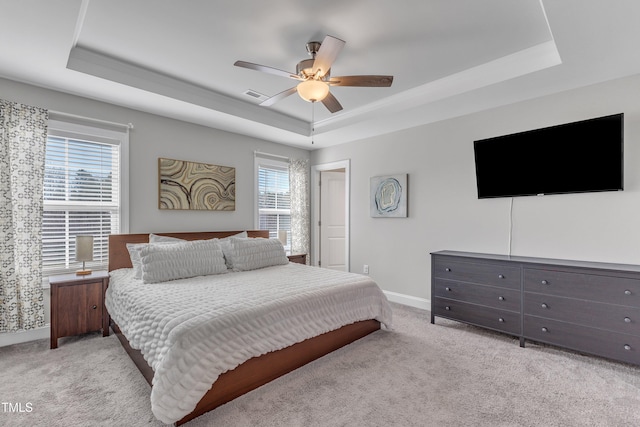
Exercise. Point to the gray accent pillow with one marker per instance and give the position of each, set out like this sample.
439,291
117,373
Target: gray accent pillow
164,262
251,254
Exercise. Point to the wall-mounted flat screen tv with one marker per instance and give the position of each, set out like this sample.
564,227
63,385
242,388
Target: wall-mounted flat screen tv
579,157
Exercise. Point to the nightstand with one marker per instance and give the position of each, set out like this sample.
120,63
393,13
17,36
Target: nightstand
299,258
77,305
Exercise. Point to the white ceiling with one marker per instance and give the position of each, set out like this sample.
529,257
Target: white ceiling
448,57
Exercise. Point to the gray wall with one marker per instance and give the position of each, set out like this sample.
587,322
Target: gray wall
154,136
445,213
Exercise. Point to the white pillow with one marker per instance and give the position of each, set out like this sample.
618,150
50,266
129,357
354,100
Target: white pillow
251,254
155,238
134,254
225,243
164,262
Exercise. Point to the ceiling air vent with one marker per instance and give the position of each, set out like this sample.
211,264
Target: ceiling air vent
255,95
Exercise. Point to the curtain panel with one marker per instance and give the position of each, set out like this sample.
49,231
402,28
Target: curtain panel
299,189
23,136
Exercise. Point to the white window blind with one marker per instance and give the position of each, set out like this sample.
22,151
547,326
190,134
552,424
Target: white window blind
82,195
274,199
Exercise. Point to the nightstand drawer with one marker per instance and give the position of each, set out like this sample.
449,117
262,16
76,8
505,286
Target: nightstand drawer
79,309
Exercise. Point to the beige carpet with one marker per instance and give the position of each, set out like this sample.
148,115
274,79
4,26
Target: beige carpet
420,374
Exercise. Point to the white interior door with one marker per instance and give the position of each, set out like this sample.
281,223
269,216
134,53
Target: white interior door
332,220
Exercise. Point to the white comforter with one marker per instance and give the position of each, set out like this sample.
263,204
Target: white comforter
190,331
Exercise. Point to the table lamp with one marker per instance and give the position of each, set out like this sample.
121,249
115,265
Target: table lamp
84,252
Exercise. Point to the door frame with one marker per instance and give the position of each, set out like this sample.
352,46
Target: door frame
315,211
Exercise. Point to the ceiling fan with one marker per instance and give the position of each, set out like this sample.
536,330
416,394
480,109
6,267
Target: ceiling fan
314,75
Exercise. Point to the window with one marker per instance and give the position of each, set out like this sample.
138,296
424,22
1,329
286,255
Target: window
85,174
274,199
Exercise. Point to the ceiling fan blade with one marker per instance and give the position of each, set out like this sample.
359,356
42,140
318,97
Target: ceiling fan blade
331,103
328,52
266,69
362,81
282,95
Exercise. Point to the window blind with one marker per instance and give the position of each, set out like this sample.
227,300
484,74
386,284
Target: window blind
274,199
81,196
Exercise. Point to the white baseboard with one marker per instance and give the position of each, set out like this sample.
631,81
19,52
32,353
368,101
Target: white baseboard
10,338
409,300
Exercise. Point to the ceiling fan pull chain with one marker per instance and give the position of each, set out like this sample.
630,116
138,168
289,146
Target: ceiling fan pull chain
313,120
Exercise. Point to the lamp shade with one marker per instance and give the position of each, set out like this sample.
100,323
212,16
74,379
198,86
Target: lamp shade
282,236
313,90
84,248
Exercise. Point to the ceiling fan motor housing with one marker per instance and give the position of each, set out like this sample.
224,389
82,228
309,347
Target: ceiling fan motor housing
305,70
305,67
313,48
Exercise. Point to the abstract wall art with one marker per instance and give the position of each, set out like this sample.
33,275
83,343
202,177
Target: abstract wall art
196,186
388,196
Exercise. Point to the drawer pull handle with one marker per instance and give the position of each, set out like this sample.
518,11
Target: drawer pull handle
627,292
94,307
501,298
500,276
627,320
448,289
447,308
543,305
627,347
500,319
544,329
544,282
447,269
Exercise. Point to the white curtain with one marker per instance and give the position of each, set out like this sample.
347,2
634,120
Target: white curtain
23,137
299,189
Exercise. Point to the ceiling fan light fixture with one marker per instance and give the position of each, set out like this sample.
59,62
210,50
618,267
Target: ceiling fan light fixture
313,90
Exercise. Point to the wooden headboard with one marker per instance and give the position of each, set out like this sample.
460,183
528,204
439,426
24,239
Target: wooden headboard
119,255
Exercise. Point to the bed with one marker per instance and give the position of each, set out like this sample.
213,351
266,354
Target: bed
285,350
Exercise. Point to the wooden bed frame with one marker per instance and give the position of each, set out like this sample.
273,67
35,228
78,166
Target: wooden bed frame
254,372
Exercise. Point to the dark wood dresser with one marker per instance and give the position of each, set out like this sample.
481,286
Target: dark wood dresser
583,306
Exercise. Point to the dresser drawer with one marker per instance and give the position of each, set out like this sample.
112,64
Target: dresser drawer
588,313
607,289
603,343
494,274
498,320
502,298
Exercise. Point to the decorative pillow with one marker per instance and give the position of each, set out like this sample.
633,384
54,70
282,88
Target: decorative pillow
251,254
134,254
164,262
225,243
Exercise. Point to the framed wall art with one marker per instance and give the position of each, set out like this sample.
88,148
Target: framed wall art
388,196
188,185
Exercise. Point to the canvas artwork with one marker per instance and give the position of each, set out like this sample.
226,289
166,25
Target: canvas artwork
196,186
388,196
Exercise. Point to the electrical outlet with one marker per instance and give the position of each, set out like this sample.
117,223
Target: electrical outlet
365,269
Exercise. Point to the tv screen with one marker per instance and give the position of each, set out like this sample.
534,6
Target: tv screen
576,157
